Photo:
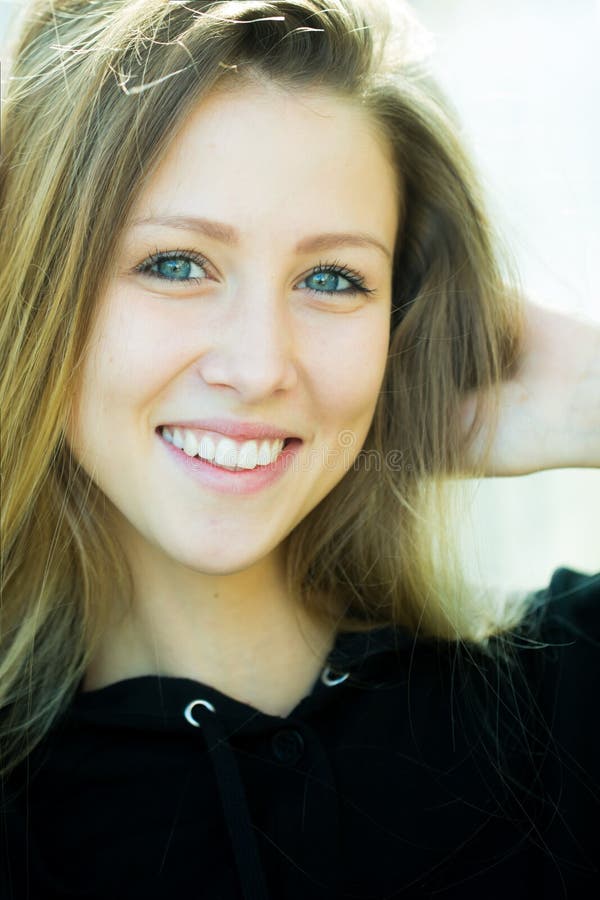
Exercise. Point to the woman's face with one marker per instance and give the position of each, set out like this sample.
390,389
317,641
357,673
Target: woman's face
236,300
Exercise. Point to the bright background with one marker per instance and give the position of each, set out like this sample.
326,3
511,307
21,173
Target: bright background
525,78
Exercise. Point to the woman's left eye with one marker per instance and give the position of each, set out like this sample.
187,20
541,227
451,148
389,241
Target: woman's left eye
326,279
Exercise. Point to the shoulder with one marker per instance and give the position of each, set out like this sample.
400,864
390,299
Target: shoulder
558,641
559,648
554,652
533,691
536,696
569,605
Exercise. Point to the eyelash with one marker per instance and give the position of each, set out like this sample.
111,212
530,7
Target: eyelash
356,280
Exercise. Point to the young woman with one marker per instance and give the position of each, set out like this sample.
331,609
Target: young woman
253,326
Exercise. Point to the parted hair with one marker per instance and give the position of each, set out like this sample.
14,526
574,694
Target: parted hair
95,93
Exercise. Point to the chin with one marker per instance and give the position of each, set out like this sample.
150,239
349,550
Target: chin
219,561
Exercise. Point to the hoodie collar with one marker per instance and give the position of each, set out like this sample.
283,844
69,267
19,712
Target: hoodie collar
159,699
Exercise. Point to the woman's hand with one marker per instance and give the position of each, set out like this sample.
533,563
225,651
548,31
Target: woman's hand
550,410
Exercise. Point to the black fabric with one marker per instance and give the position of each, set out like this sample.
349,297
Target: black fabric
415,768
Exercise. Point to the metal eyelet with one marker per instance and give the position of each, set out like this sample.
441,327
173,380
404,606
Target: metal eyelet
188,710
328,680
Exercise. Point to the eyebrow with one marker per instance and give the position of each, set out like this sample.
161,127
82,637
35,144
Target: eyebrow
226,234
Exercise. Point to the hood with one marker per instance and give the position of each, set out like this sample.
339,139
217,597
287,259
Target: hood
177,704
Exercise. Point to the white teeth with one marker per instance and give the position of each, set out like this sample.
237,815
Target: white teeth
248,455
190,444
206,448
178,440
227,452
264,454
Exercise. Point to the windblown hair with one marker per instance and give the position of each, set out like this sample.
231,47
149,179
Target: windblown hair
97,89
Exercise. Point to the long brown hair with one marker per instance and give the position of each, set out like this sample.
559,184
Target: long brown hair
96,92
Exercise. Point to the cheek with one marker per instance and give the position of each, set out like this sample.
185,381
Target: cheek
348,370
133,354
117,373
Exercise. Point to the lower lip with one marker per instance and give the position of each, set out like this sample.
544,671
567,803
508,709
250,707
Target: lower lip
242,481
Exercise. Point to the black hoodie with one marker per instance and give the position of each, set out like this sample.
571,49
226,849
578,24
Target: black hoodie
415,768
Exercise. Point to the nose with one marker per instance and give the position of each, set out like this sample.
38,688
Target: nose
252,346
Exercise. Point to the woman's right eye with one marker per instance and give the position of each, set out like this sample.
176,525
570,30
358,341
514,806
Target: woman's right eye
177,266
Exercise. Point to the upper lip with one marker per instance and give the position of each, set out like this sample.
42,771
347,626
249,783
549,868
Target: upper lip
235,429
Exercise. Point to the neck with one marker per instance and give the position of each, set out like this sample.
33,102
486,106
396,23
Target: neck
241,634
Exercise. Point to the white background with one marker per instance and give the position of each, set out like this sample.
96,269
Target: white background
525,78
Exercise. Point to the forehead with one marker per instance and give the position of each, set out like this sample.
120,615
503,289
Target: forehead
270,158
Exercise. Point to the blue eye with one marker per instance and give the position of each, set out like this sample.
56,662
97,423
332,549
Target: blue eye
174,268
326,280
176,265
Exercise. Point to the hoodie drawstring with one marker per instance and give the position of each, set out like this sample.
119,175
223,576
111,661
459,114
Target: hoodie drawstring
233,797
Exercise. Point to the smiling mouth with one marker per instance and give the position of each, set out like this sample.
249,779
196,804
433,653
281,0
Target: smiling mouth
225,453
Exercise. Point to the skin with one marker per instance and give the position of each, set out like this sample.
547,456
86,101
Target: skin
253,342
550,410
